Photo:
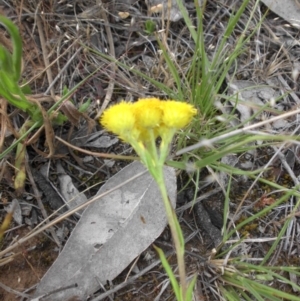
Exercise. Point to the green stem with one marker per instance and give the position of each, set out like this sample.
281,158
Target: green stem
175,231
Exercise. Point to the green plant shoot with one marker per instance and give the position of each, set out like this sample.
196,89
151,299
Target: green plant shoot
140,124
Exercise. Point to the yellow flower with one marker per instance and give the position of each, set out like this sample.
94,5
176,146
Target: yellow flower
177,114
148,112
120,119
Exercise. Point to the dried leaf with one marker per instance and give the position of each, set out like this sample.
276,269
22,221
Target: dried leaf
289,10
71,112
264,201
110,234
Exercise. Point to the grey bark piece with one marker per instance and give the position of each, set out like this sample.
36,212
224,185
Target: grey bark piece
249,93
101,247
204,222
68,190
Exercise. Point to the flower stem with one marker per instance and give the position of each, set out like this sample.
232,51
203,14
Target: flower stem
175,231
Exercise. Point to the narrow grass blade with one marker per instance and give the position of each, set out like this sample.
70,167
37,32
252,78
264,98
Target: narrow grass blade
170,273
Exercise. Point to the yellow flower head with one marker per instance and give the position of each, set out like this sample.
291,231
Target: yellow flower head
177,114
120,119
147,119
142,122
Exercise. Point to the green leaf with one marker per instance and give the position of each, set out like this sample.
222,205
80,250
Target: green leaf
149,27
190,289
17,47
65,90
60,119
264,277
6,63
170,273
83,108
26,89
